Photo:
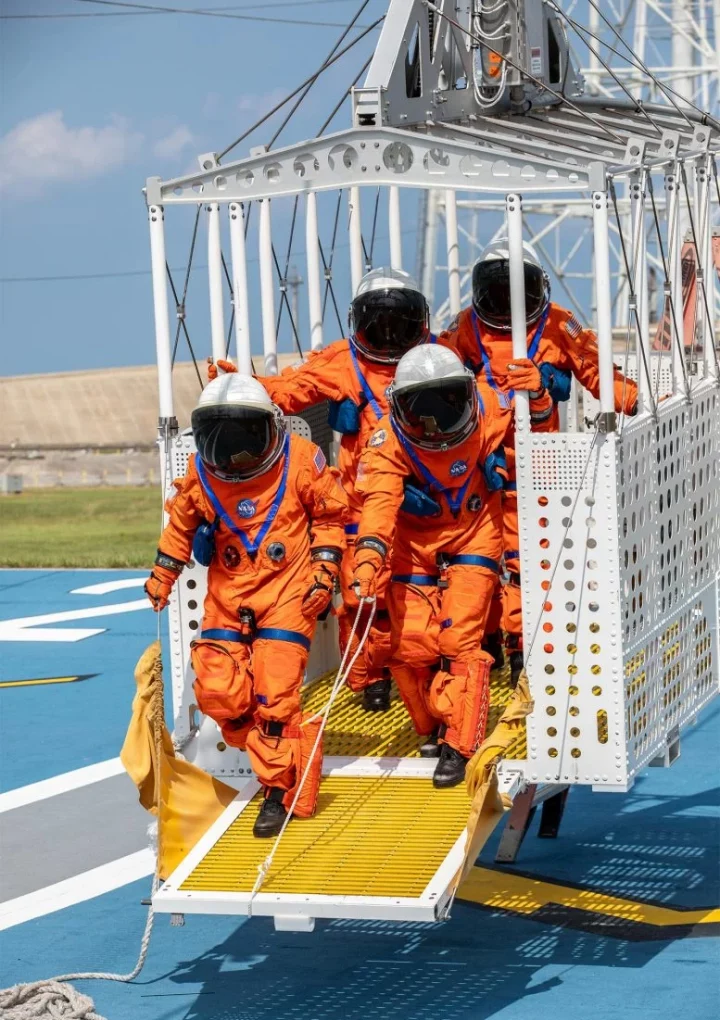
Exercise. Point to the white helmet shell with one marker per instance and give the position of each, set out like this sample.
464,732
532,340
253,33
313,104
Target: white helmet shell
236,390
385,278
500,249
428,363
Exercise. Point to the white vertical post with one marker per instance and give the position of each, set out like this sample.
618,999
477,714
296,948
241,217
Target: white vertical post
356,247
518,316
267,291
674,245
604,301
394,225
313,271
240,288
429,248
707,261
640,285
215,280
593,58
163,348
453,251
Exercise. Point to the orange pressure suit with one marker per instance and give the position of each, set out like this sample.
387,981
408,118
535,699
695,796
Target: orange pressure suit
258,622
356,389
558,340
444,568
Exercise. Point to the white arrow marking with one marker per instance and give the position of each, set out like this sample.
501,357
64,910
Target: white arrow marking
107,586
25,628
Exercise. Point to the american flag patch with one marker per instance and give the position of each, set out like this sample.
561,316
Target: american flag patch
573,327
319,461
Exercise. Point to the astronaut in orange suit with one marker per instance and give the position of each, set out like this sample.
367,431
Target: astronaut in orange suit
558,347
430,477
265,514
388,316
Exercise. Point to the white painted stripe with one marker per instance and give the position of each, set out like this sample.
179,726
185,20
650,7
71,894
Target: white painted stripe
29,628
74,890
60,784
107,586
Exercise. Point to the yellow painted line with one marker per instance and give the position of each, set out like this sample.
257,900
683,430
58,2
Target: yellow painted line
522,895
45,680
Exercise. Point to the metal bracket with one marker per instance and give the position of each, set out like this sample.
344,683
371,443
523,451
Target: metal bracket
606,422
167,426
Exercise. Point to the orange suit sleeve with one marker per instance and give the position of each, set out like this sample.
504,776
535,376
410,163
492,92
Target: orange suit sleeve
579,353
322,497
187,511
322,377
381,473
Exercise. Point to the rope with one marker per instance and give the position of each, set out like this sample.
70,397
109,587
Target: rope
54,998
342,674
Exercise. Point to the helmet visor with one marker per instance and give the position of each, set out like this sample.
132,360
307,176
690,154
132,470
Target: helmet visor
233,440
491,292
388,323
436,413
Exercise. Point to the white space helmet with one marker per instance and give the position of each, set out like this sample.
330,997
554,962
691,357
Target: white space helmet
238,430
433,397
388,315
491,285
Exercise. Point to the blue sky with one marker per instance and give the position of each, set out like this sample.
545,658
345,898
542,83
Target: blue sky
92,107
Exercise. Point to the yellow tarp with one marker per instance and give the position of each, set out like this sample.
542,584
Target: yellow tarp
488,804
186,800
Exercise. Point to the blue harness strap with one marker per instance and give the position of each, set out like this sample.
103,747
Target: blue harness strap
422,580
510,486
532,351
222,634
352,529
454,501
251,545
364,385
512,554
474,561
278,634
269,633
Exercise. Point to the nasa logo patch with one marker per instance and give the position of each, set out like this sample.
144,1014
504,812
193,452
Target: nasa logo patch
377,438
457,468
247,508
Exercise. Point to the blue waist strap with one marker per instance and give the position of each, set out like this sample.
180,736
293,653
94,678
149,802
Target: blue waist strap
429,580
269,633
352,529
512,554
474,561
510,486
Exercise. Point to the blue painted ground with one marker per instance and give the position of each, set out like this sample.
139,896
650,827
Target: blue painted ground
659,843
53,728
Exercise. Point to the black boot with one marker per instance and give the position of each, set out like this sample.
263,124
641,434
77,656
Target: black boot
450,770
272,814
376,696
517,664
430,748
493,645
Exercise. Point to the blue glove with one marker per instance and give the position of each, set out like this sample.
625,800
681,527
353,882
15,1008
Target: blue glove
556,381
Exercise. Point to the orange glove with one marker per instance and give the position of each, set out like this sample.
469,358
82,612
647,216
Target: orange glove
319,594
213,366
368,560
159,585
525,375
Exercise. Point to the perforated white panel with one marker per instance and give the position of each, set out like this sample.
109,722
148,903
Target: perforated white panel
206,748
660,373
620,544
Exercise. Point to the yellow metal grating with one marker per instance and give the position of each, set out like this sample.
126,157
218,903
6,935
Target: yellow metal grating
370,837
352,731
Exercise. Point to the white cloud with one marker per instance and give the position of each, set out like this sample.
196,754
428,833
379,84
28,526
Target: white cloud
173,144
44,149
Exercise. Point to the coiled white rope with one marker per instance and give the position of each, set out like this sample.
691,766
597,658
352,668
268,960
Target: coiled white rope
339,682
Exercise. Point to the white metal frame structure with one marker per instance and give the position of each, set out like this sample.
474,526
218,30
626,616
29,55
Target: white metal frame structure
620,524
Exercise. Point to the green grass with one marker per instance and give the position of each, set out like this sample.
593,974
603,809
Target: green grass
80,527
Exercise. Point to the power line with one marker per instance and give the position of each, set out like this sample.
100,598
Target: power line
140,14
206,13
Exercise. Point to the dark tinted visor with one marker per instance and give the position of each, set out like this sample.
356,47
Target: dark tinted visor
441,408
491,291
389,322
233,439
